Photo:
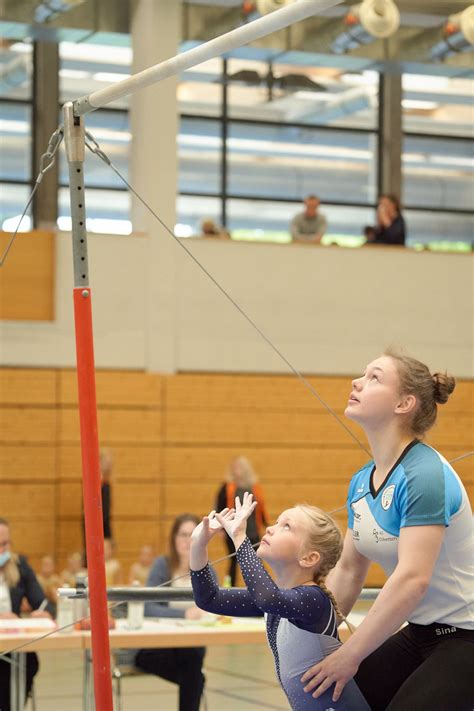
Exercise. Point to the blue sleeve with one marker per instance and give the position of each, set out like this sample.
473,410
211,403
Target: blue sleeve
306,604
158,575
428,494
210,597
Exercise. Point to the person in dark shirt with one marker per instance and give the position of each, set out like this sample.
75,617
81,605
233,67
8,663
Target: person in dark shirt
390,228
240,478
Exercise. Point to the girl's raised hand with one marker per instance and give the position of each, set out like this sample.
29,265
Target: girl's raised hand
236,525
208,528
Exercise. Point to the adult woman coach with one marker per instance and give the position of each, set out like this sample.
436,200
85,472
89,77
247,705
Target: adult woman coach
408,511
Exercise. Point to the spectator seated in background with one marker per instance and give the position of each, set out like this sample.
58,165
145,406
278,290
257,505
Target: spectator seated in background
210,229
181,666
75,569
309,225
113,569
49,580
17,581
390,228
140,570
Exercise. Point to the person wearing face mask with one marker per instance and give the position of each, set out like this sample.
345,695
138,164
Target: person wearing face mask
17,581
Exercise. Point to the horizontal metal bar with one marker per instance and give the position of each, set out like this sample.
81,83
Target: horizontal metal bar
277,20
165,594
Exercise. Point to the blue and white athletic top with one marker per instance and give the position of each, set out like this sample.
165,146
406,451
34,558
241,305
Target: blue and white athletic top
421,489
301,627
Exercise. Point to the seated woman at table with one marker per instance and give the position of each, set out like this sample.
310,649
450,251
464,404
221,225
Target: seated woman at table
17,581
181,666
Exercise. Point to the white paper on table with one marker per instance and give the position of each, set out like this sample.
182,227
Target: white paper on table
26,624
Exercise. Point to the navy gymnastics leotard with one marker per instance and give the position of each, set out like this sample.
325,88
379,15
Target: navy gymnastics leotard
301,627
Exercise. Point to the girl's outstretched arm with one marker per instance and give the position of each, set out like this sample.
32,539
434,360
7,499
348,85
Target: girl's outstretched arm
210,597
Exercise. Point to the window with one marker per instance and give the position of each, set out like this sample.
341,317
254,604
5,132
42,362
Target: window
438,230
15,139
438,172
292,161
290,92
200,155
15,133
438,105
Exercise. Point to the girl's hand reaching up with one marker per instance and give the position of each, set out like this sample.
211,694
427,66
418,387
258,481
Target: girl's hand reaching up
236,524
208,528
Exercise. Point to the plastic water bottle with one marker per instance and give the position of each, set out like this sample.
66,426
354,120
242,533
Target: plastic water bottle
81,605
135,613
65,613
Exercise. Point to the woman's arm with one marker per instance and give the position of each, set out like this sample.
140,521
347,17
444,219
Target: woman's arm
34,593
346,580
159,574
418,550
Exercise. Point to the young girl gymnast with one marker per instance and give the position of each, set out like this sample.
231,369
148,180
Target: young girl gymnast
301,614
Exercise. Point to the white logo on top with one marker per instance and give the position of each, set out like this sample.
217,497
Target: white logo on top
387,497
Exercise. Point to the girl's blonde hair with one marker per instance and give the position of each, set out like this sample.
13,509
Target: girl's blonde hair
247,470
11,570
429,389
324,536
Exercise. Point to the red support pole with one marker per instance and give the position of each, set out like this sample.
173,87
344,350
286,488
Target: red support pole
92,499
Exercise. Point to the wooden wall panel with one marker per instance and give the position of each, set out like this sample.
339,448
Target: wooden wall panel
27,278
27,386
27,425
70,498
115,387
25,502
130,463
31,463
188,427
37,539
116,426
137,500
130,539
270,463
456,429
248,392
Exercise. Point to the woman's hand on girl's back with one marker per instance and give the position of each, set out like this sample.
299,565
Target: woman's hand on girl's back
236,524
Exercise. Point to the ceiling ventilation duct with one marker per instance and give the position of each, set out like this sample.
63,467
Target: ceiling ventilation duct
372,19
50,9
458,35
266,6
